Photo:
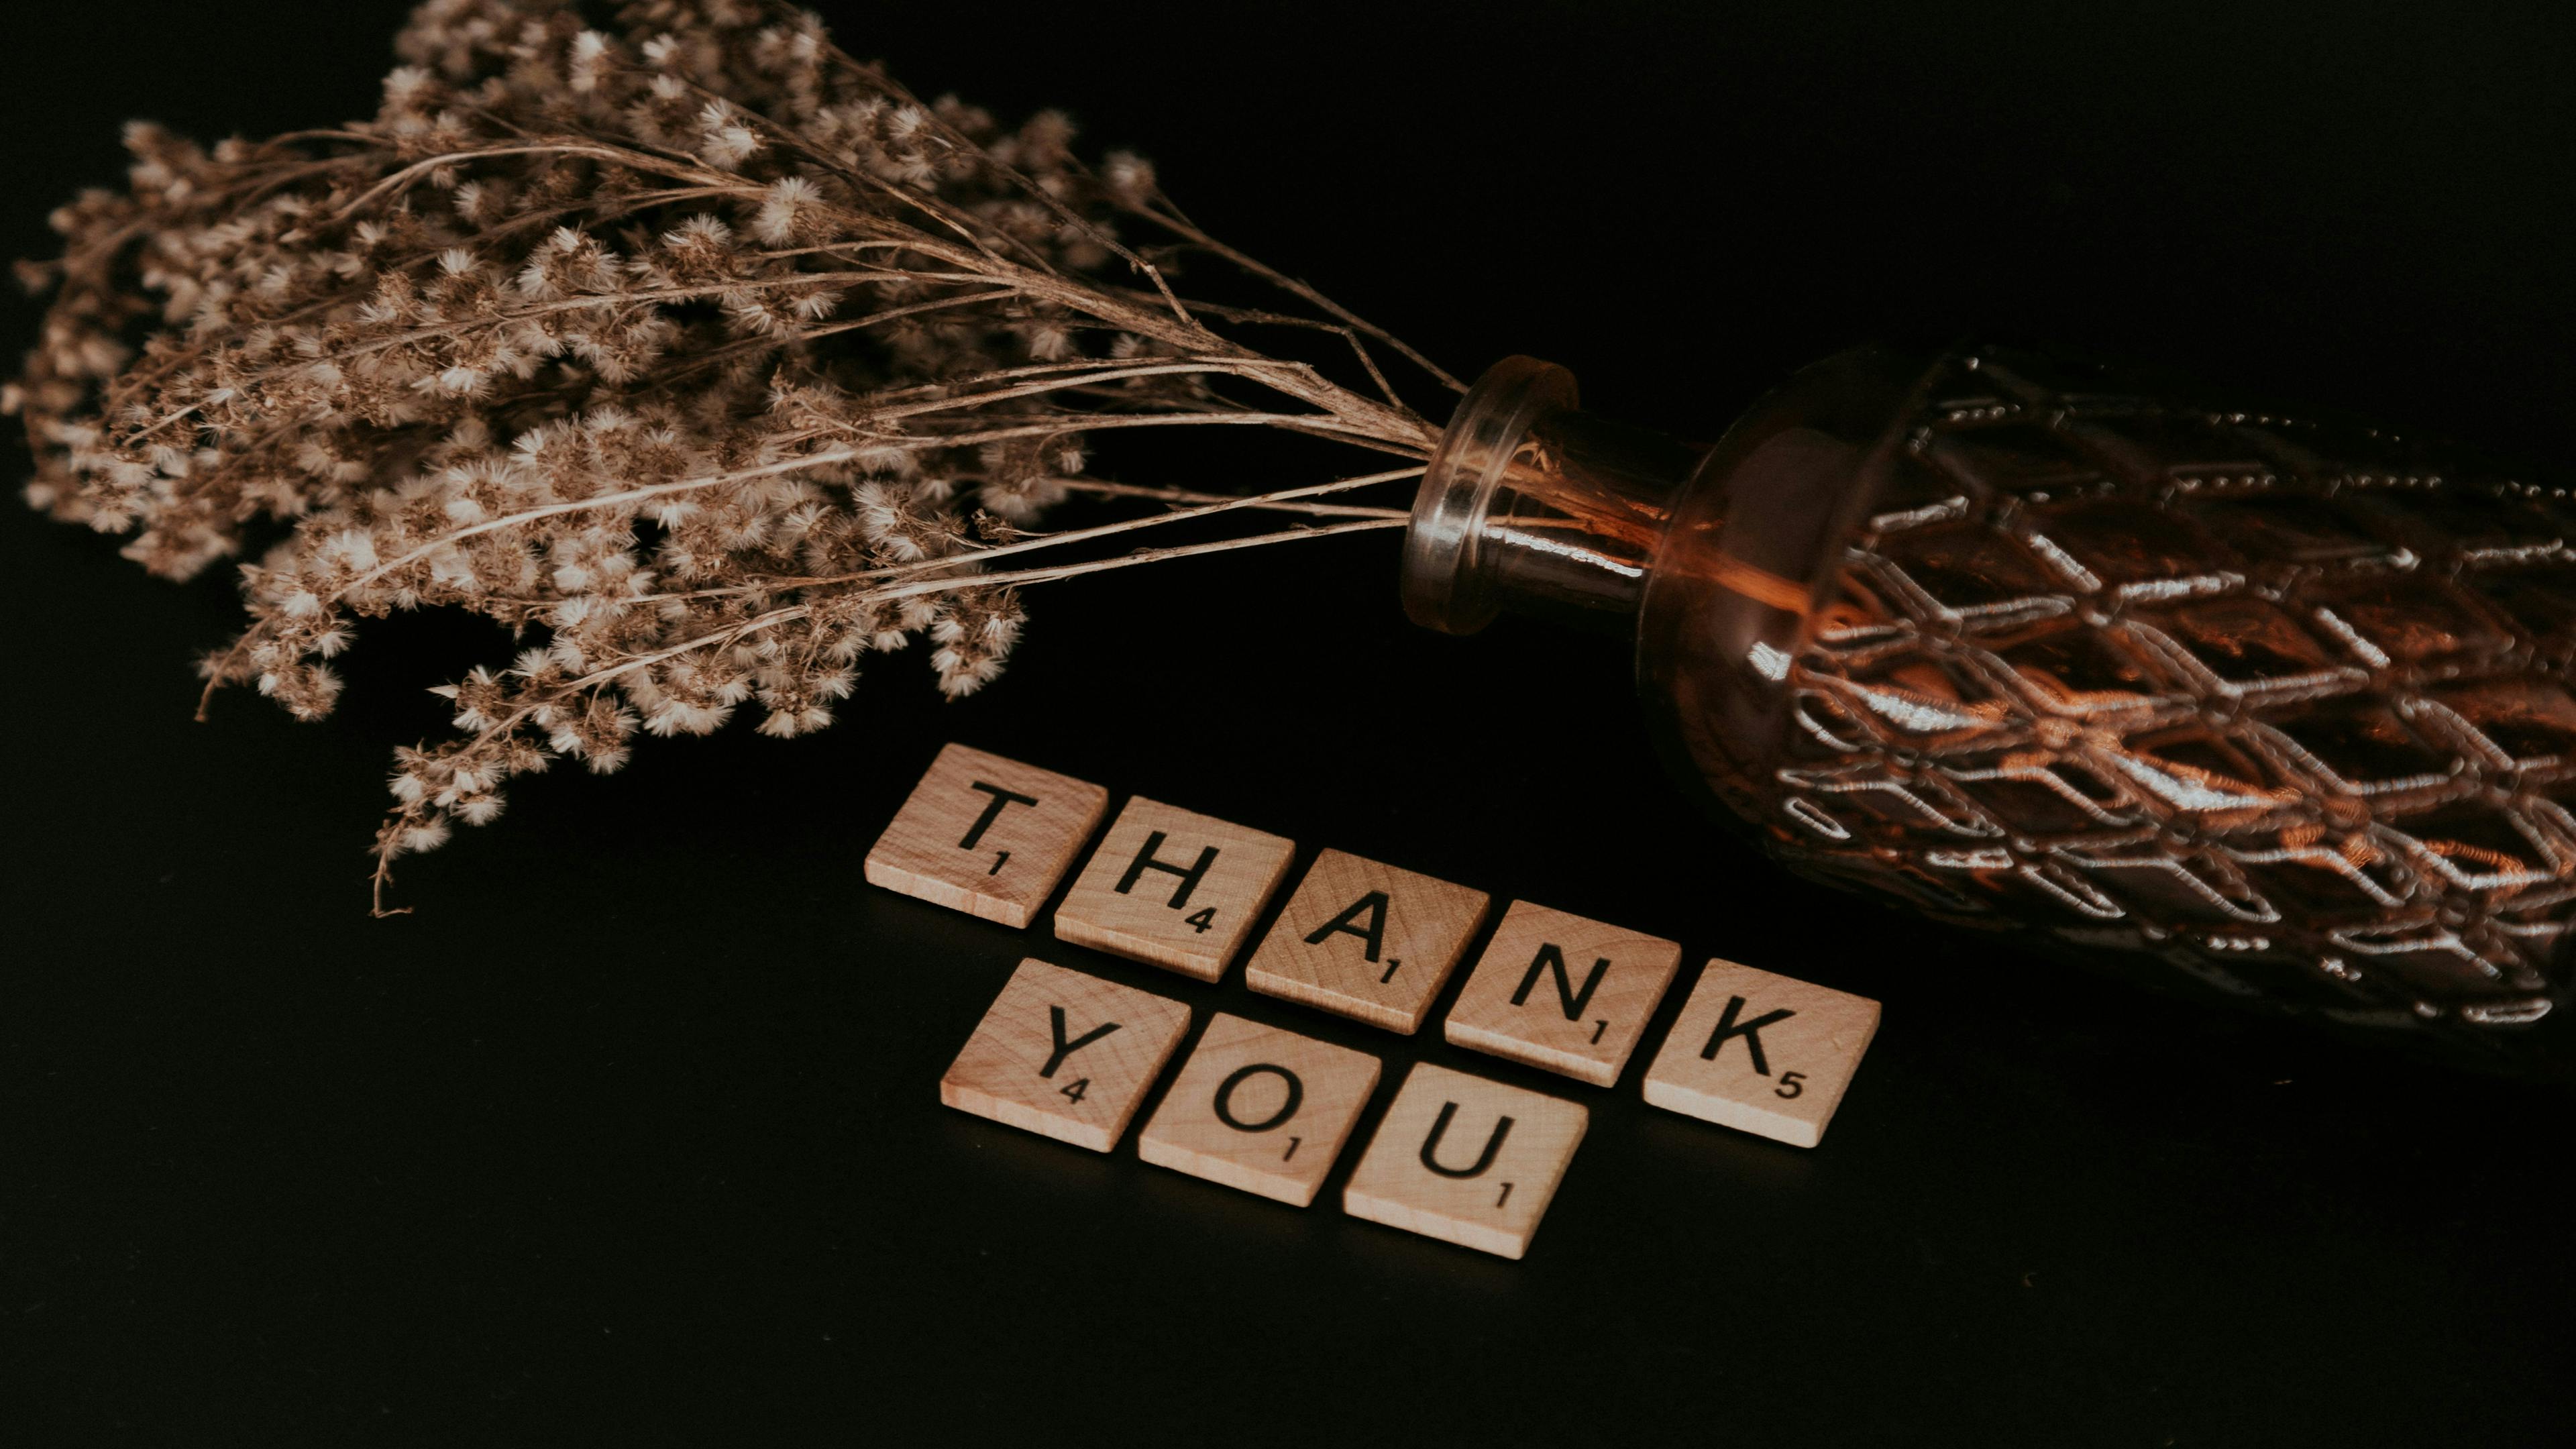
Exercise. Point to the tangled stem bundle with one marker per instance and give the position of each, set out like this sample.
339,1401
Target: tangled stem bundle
699,353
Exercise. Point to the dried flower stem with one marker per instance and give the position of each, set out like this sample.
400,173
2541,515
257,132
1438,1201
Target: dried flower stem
1107,489
703,355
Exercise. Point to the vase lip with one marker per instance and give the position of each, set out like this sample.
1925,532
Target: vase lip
1441,584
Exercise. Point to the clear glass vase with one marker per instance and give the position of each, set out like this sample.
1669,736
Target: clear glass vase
2260,705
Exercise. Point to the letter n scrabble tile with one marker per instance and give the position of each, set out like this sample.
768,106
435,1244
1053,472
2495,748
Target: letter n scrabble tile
1762,1053
1366,940
1563,993
1261,1109
1465,1160
1173,889
986,835
1065,1055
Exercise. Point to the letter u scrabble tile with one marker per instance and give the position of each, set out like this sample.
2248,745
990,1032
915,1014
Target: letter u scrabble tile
1366,940
986,835
1261,1109
1465,1160
1065,1054
1762,1053
1562,993
1171,888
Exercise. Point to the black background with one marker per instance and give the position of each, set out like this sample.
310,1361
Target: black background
630,1134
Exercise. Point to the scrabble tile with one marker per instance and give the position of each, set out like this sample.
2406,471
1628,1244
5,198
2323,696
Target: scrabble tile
986,835
1762,1053
1465,1160
1563,993
1261,1109
1173,889
1366,940
1065,1054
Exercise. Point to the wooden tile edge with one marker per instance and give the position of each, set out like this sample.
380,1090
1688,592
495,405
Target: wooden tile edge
1349,1008
1196,1164
978,1103
1128,948
1513,1049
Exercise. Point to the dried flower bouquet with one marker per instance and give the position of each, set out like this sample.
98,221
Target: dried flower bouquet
696,351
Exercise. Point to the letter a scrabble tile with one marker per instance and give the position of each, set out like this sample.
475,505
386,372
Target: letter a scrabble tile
1563,993
986,835
1065,1055
1762,1053
1173,889
1261,1109
1465,1160
1366,940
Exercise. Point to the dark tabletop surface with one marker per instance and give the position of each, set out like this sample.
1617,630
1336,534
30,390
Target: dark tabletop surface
630,1132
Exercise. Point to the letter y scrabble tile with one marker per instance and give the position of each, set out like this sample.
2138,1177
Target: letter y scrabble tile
1065,1055
1762,1053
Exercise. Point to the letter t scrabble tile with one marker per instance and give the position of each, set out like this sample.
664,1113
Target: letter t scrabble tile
1762,1053
1465,1160
1065,1055
1563,993
1172,889
986,835
1261,1109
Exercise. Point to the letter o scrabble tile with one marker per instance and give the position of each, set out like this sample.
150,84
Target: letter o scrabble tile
1465,1160
986,835
1366,941
1173,889
1761,1053
1065,1055
1562,993
1261,1109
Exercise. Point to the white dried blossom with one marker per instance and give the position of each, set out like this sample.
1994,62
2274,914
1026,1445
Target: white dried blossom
699,352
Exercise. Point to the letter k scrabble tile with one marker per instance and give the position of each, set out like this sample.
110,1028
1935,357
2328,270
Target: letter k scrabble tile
1762,1053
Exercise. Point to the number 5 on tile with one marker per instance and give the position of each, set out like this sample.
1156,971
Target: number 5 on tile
1762,1053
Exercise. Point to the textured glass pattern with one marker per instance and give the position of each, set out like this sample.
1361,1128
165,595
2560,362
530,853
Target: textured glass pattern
2282,704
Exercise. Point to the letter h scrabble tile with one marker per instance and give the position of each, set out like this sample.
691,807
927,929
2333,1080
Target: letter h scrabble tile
1172,889
1065,1055
986,835
1762,1053
1260,1109
1465,1160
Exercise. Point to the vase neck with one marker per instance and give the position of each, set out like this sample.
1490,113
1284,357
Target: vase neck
1531,506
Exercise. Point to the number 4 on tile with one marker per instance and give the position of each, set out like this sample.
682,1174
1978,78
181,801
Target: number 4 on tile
1065,1054
1172,888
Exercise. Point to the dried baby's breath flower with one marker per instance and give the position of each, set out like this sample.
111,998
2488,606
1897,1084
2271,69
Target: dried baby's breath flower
703,355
